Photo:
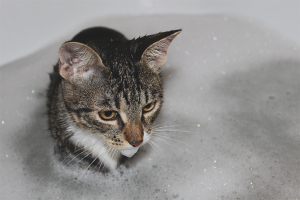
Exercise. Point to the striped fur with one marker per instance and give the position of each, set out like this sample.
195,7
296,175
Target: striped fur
100,70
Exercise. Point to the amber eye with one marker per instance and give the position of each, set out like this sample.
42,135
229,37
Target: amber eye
148,107
108,115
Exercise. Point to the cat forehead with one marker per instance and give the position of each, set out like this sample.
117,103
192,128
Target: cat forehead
110,50
135,89
122,67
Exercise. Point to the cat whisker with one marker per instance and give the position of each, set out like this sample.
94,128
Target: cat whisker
112,152
169,126
157,125
115,151
87,168
156,145
152,145
168,130
163,136
75,157
70,155
88,155
161,139
84,157
169,134
102,162
165,144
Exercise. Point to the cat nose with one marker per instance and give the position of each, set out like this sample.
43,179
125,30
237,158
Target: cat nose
135,144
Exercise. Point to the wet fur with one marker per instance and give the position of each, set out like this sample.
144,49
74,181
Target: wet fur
114,74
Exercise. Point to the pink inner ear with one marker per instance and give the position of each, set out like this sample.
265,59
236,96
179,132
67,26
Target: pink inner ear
65,70
156,55
65,64
65,56
78,61
74,59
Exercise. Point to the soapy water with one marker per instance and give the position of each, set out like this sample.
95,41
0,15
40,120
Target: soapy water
247,146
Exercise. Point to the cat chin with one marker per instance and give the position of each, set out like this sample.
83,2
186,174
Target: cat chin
129,152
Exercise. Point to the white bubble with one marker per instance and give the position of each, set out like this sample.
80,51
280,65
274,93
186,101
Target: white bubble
32,91
2,122
215,38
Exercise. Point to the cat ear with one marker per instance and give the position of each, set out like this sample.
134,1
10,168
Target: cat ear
78,61
155,54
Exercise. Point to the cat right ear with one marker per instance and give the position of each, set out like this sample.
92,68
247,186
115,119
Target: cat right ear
155,54
78,61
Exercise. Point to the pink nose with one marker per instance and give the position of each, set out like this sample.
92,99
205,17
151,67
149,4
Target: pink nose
135,144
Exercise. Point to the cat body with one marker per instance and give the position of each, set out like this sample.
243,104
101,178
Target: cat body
105,93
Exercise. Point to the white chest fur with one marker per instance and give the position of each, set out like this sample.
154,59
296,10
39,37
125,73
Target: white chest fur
95,143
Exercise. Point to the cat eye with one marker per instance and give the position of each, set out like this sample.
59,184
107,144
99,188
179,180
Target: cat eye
148,107
108,115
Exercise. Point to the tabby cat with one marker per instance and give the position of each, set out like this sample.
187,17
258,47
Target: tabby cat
105,93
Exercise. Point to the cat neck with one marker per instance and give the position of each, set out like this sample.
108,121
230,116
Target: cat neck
95,143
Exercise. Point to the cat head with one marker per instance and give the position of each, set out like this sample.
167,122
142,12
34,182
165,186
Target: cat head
113,88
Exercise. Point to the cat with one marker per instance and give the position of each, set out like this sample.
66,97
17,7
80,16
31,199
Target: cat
105,93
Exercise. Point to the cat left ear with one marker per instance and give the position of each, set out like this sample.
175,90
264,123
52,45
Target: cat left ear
155,55
78,62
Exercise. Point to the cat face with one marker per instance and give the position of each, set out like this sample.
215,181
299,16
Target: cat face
113,90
